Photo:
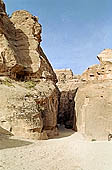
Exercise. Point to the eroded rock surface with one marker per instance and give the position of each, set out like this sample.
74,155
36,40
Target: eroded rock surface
28,93
93,110
90,96
105,57
102,71
28,110
64,74
93,100
28,38
21,56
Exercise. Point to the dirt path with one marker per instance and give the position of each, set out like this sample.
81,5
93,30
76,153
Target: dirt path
66,153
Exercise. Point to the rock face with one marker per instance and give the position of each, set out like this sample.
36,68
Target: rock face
31,104
28,93
28,30
93,110
93,102
21,56
87,98
105,57
100,72
28,109
64,74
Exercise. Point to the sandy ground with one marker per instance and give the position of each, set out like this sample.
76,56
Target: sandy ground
69,151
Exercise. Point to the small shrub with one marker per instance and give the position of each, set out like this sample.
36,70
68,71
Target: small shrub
93,140
30,84
8,82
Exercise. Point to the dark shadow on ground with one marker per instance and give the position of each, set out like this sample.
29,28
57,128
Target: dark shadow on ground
6,143
63,132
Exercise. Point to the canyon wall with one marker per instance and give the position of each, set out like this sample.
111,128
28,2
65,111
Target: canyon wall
87,99
94,99
28,91
31,103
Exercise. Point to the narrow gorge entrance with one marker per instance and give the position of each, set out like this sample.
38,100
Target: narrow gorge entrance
66,115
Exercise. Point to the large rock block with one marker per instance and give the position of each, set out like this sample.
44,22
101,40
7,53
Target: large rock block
28,38
105,57
93,105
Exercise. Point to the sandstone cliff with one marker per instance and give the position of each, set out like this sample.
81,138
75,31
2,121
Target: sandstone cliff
93,102
102,71
28,93
20,53
87,98
31,104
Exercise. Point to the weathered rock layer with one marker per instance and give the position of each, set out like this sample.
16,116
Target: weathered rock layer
28,110
20,52
28,93
93,100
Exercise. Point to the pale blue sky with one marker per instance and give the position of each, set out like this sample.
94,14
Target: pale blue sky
74,31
